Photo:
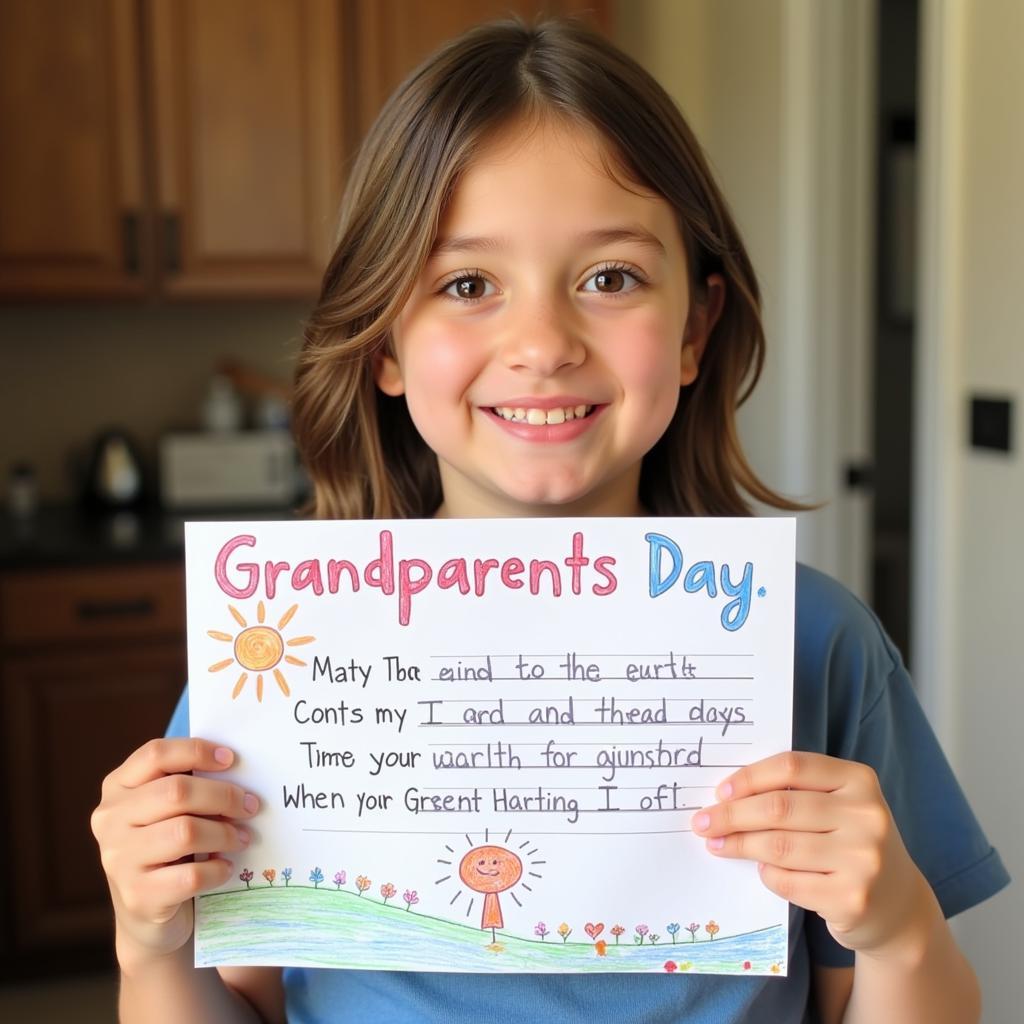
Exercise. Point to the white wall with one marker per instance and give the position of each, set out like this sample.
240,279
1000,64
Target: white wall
986,355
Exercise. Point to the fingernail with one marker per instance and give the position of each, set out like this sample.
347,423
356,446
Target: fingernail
701,822
717,843
223,756
244,836
725,790
251,803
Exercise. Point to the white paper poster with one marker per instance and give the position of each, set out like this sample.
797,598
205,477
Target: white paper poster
479,743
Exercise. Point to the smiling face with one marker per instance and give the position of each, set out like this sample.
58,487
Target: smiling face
490,869
543,347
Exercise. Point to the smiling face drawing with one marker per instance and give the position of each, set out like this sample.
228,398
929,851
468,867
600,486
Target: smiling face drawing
490,869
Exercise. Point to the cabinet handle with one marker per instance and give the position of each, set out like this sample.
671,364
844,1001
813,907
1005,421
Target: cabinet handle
130,608
172,243
130,241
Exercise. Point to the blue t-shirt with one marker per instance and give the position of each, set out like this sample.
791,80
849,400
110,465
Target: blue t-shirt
852,699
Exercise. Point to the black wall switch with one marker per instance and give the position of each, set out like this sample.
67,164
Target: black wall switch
991,423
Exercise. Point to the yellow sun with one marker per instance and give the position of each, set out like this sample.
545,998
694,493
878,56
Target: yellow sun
259,649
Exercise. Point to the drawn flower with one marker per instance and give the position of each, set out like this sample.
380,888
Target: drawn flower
270,874
672,929
653,939
316,876
693,928
246,876
746,965
339,879
617,930
684,965
564,930
410,896
712,929
775,968
670,966
602,947
641,930
541,929
287,876
362,884
387,890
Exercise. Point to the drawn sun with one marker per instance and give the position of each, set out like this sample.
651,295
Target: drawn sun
259,649
488,869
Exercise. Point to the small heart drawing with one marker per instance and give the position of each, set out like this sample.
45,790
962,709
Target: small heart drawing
593,930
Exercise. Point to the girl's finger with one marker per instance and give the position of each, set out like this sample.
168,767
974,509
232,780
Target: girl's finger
168,757
792,769
786,809
808,889
174,795
797,851
171,885
169,841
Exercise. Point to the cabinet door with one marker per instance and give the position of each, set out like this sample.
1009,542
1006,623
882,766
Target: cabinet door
247,110
68,720
393,36
71,179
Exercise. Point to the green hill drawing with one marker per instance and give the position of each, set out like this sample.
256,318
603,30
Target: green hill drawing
300,925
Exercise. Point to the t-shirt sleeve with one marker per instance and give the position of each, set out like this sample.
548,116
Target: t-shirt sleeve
178,725
891,734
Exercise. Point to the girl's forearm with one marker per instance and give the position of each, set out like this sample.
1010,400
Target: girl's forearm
925,979
170,989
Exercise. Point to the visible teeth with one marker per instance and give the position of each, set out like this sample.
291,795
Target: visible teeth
540,417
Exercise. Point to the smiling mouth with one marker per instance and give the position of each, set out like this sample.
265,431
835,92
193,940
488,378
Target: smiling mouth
543,417
480,871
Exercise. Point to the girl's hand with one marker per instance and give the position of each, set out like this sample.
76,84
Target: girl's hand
825,840
151,820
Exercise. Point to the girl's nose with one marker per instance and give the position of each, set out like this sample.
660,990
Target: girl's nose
544,341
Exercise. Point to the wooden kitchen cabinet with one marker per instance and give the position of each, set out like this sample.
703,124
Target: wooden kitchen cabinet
247,114
183,148
72,186
93,661
169,147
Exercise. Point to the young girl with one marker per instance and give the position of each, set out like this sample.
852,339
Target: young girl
539,305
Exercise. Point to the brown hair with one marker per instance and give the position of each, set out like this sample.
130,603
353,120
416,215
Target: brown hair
364,455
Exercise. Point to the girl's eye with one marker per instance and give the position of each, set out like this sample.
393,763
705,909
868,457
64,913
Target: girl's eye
468,286
609,280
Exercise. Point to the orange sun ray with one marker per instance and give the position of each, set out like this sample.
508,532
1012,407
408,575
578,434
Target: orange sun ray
261,613
299,640
287,617
281,682
238,616
259,688
219,636
294,661
222,664
238,686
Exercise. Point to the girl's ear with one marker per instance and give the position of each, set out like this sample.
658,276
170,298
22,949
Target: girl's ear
388,374
699,325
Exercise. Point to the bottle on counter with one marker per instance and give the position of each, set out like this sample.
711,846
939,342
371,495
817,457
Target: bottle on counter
222,409
22,491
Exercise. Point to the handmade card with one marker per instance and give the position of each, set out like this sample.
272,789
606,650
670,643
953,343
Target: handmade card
479,743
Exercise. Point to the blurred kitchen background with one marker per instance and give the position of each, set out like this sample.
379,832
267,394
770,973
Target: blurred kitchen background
170,175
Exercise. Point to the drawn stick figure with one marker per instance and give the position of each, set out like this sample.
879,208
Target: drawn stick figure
490,870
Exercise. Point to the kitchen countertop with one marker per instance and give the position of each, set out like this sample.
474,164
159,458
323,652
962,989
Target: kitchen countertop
65,535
